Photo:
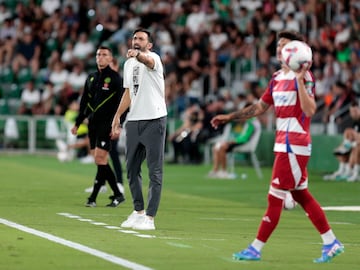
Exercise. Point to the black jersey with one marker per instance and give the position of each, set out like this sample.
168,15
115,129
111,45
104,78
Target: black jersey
102,94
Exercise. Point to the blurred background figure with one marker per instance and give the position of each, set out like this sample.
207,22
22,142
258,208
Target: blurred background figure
185,139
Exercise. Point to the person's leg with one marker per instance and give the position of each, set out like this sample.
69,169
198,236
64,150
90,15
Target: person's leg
98,183
115,158
313,210
331,246
215,154
153,138
101,159
268,224
289,171
135,155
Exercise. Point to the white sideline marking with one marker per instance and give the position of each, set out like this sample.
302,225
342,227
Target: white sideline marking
342,208
77,246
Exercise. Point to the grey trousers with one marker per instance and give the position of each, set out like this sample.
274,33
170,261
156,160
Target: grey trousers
145,139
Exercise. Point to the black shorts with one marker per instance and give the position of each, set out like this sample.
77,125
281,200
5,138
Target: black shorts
231,146
99,135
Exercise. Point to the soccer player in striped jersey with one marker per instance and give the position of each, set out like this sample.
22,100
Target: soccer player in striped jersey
292,96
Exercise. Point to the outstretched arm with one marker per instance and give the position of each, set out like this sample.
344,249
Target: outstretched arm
245,113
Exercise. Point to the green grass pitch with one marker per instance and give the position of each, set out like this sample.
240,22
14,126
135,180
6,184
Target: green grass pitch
200,223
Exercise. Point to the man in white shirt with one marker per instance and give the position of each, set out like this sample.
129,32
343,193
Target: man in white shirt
144,96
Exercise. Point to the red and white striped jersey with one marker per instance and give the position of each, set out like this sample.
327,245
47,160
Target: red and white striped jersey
292,126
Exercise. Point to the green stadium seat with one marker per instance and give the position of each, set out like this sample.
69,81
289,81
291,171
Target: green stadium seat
24,75
4,107
6,75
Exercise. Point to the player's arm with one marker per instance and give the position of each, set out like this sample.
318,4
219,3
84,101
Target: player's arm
306,95
123,107
245,113
144,58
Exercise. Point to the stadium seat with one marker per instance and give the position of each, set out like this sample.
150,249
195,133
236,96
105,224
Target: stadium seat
248,148
4,107
6,75
24,75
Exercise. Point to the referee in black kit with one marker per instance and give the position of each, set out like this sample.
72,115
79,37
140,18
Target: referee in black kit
102,93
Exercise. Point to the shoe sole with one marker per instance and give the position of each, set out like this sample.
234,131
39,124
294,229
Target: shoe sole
237,258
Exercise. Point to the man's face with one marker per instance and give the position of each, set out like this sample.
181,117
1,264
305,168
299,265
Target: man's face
140,41
103,58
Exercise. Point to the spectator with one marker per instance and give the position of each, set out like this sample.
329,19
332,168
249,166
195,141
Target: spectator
74,147
185,140
342,98
48,98
50,6
77,77
27,52
7,41
59,76
110,23
4,13
30,99
83,48
131,22
195,21
348,152
67,55
240,134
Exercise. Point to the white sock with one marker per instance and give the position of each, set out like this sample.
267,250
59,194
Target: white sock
355,169
328,237
347,169
258,245
342,167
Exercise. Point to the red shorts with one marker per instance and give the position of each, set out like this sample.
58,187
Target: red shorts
289,171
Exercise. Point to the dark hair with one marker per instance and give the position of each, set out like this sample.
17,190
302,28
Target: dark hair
292,35
103,47
145,31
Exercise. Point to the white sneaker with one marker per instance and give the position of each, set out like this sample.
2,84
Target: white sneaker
103,189
212,174
144,224
224,175
89,159
133,219
352,178
332,176
121,188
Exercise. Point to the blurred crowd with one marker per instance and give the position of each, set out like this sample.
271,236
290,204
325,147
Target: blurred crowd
214,51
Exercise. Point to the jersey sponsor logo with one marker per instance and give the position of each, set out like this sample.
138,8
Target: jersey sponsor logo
284,98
